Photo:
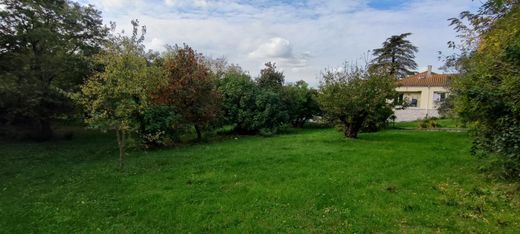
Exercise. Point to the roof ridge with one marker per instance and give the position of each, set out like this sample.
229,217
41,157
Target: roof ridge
421,79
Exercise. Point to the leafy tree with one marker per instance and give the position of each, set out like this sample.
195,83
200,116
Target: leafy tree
396,57
44,53
300,102
379,120
271,113
487,94
191,89
238,93
446,109
353,96
119,92
160,125
270,78
249,108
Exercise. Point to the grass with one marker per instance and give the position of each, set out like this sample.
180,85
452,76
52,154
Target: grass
444,123
306,181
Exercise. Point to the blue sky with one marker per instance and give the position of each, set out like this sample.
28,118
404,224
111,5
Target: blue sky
387,4
302,37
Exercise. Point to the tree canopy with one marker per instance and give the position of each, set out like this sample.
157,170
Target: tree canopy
396,57
488,90
191,88
44,53
270,78
119,92
354,95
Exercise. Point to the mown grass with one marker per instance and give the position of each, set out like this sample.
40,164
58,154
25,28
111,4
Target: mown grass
444,123
305,181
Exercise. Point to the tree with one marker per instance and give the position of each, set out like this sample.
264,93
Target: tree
44,53
396,57
354,95
270,78
300,102
114,96
249,108
191,89
487,94
238,92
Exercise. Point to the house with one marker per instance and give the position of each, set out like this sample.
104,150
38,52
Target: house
423,92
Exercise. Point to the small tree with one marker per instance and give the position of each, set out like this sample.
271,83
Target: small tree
191,89
396,57
238,92
270,78
249,108
352,96
116,94
300,102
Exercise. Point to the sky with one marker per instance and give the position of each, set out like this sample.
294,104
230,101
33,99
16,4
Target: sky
302,37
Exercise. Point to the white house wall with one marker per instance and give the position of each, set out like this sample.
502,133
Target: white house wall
426,99
425,106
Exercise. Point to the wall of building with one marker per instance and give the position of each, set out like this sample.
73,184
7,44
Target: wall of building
426,95
414,114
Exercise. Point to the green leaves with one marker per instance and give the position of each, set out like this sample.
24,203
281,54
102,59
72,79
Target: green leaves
354,96
114,96
396,57
488,91
46,47
249,107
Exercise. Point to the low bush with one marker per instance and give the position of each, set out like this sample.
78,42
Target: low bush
428,123
159,126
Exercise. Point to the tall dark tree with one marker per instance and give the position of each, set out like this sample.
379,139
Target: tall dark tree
396,57
44,52
270,78
248,107
300,102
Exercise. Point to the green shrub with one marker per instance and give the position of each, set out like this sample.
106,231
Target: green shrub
488,89
249,108
429,123
159,126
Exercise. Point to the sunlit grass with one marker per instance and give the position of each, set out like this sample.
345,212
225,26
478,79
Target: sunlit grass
309,180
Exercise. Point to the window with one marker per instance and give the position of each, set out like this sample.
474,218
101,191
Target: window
413,103
439,97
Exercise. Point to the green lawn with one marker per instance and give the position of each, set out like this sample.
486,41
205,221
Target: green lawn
444,123
306,181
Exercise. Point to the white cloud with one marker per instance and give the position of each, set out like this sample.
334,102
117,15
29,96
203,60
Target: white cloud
156,44
251,33
280,50
276,47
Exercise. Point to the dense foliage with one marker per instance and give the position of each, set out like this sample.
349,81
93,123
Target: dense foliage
191,89
300,101
270,78
354,97
396,57
249,107
44,53
116,95
488,92
159,125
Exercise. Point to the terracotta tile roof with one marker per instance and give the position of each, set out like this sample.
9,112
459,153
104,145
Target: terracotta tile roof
421,79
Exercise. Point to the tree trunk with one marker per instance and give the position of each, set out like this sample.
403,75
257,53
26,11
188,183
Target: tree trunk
45,130
302,123
199,134
392,69
121,141
351,130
